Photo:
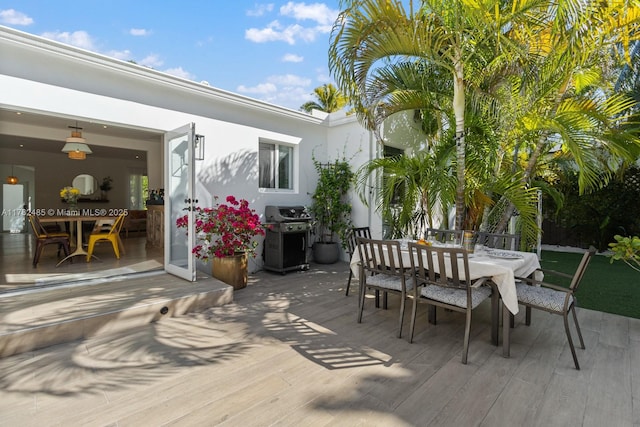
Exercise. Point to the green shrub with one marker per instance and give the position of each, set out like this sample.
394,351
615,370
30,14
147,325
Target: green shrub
594,218
626,249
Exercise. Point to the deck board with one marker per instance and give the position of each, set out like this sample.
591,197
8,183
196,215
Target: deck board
288,351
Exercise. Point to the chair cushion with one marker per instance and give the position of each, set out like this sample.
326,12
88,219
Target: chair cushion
388,282
456,296
542,297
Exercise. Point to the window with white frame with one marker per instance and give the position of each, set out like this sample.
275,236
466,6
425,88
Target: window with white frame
276,166
138,189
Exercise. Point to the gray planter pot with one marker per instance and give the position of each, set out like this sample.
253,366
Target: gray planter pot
326,253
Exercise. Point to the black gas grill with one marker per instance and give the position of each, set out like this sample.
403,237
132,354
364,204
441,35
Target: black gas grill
286,239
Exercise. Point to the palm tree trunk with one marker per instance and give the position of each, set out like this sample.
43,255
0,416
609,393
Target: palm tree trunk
458,109
533,161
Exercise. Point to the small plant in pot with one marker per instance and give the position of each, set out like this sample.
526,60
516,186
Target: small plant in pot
105,187
330,209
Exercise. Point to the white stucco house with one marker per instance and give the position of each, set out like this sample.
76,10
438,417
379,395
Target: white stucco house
126,112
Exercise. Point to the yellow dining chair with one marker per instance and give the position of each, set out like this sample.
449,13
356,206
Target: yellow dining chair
113,236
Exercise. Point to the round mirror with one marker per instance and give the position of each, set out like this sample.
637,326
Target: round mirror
87,184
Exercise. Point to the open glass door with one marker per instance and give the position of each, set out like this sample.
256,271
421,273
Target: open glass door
179,200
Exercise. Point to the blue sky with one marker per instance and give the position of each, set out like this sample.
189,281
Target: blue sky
274,51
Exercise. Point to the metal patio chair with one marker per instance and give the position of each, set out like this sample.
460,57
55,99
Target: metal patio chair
499,240
382,269
439,275
555,299
443,236
352,247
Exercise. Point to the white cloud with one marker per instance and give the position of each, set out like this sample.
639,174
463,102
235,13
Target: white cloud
83,40
323,76
289,80
124,55
318,12
287,90
260,9
291,97
292,57
13,17
139,32
276,32
179,72
79,39
152,61
201,43
259,89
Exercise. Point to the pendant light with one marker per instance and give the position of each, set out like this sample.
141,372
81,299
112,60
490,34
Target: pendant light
76,146
12,179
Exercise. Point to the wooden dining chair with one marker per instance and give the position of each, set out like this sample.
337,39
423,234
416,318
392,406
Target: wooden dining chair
555,299
499,240
352,247
44,237
440,280
443,236
382,270
112,235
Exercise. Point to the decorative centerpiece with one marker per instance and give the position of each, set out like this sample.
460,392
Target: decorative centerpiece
71,195
225,233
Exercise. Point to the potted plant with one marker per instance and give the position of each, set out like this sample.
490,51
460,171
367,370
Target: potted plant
330,209
105,187
225,233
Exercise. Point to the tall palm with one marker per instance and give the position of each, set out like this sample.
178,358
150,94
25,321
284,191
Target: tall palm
567,99
328,99
628,82
405,182
456,37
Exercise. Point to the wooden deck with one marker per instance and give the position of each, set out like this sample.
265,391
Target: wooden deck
288,352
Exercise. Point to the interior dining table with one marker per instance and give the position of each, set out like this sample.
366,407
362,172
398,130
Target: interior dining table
501,266
79,220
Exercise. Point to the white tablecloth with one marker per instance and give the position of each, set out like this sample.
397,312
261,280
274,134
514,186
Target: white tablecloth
501,271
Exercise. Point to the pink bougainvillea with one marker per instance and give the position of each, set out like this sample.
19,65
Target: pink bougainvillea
225,229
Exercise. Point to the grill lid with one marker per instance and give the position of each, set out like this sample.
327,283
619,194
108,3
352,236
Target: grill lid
286,213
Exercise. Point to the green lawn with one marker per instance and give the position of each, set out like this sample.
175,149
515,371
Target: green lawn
611,288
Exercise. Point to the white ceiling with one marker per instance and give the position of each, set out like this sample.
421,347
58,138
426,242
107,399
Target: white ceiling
54,145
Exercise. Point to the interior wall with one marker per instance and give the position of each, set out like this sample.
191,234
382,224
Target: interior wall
52,172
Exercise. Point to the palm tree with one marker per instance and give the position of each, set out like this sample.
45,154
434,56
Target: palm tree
463,39
528,67
424,181
568,105
329,99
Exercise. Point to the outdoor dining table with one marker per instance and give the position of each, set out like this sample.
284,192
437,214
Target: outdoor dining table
501,266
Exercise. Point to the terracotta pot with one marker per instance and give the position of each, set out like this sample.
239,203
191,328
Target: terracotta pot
231,270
